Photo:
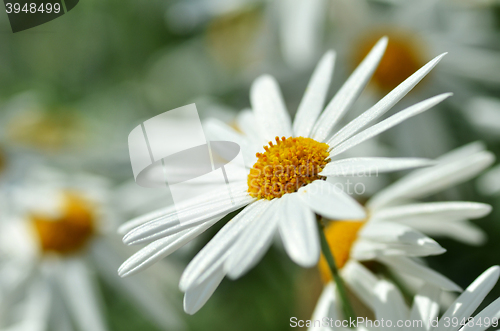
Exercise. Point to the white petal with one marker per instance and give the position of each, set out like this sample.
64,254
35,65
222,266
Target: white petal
372,166
453,210
331,202
391,305
385,104
399,240
254,240
170,211
215,251
389,123
218,130
411,268
471,298
361,281
194,216
301,24
160,249
313,100
349,92
248,125
425,306
432,180
492,311
326,306
462,152
81,296
196,297
299,231
460,230
269,109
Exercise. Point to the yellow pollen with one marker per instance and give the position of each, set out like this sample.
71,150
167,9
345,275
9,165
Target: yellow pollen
340,236
286,166
401,59
68,233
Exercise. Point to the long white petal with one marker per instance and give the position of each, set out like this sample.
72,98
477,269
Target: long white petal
349,92
254,241
299,231
269,109
81,296
313,100
196,297
215,251
331,202
471,298
399,240
326,306
432,180
411,268
361,281
372,166
452,210
218,130
389,123
492,311
215,197
391,305
160,249
425,306
197,215
385,104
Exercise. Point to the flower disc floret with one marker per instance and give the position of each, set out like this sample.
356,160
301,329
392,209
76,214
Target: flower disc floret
286,166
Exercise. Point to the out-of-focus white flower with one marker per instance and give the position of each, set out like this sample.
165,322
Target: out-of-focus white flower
416,30
289,205
390,307
55,233
297,26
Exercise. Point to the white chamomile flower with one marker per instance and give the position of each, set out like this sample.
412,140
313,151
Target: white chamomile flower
391,309
275,202
392,235
55,230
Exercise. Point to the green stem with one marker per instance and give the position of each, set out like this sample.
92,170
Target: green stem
325,248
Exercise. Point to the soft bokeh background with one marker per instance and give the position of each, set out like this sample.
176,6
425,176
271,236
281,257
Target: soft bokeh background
72,89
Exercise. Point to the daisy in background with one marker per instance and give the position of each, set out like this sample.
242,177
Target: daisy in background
56,231
245,32
392,235
271,202
417,29
424,313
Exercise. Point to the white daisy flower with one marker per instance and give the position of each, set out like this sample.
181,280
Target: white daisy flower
269,209
424,313
55,230
390,235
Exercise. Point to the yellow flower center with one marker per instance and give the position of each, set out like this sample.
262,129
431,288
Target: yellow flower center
402,58
340,236
68,233
286,166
